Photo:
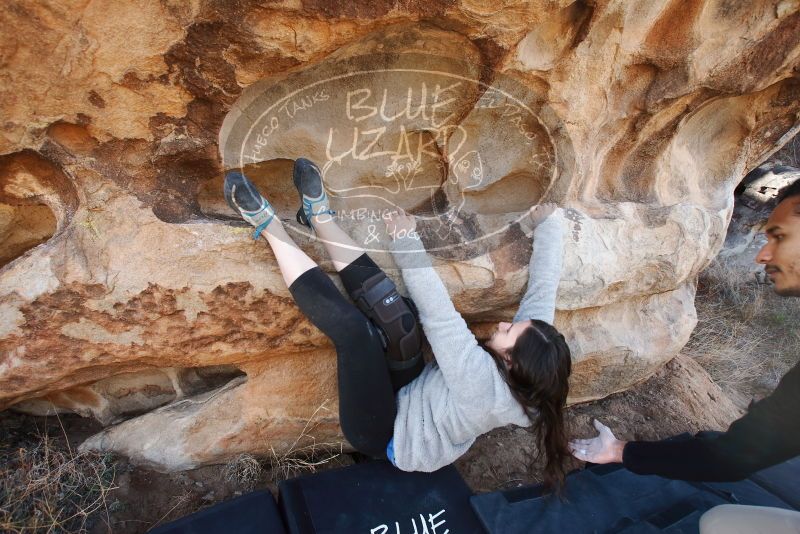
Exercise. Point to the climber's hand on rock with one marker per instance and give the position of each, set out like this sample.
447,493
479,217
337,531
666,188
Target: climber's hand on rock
540,212
400,224
604,449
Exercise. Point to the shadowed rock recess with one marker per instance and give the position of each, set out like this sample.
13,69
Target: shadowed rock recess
130,292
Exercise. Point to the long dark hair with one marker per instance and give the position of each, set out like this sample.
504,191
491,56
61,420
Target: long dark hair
538,376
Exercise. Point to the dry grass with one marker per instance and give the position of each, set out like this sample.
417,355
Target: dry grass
46,490
305,455
245,470
180,501
745,335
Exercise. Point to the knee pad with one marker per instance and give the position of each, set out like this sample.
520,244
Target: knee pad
395,318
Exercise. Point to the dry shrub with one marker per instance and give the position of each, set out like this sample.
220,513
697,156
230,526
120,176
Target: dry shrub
45,490
745,336
245,470
727,291
728,350
304,455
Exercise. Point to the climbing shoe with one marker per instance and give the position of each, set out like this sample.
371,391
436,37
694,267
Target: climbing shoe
243,197
313,198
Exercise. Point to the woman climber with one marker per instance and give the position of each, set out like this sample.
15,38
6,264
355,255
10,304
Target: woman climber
391,405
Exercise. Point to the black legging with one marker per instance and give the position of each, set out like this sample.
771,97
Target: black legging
366,397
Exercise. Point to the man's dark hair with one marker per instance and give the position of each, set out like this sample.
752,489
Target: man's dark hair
791,190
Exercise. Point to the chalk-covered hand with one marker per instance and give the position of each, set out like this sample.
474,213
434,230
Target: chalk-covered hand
540,212
604,449
400,224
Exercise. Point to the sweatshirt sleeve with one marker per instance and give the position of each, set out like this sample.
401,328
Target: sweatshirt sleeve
469,371
767,435
544,271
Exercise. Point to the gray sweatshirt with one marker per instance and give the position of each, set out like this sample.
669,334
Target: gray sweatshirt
443,411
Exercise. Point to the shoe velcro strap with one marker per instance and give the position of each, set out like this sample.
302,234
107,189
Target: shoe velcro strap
322,201
323,212
260,228
257,218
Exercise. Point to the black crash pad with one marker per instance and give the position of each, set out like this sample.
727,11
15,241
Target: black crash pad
612,499
253,513
377,498
782,480
608,500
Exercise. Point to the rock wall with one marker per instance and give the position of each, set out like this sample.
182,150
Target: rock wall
129,292
756,197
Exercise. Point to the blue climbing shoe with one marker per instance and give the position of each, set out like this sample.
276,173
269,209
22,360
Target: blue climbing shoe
313,198
243,198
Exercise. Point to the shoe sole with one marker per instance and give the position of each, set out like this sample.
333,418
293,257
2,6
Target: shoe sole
297,178
247,196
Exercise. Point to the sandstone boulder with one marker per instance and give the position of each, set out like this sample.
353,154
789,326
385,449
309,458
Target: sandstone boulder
131,293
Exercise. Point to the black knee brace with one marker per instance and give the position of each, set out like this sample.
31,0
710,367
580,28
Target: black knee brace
395,317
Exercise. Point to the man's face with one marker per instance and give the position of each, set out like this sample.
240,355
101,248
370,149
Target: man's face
781,255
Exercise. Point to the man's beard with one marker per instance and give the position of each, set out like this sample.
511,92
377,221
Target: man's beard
791,291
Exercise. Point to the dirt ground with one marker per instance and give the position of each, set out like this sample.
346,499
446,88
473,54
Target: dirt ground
679,398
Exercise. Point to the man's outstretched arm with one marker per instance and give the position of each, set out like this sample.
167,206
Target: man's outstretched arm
767,435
